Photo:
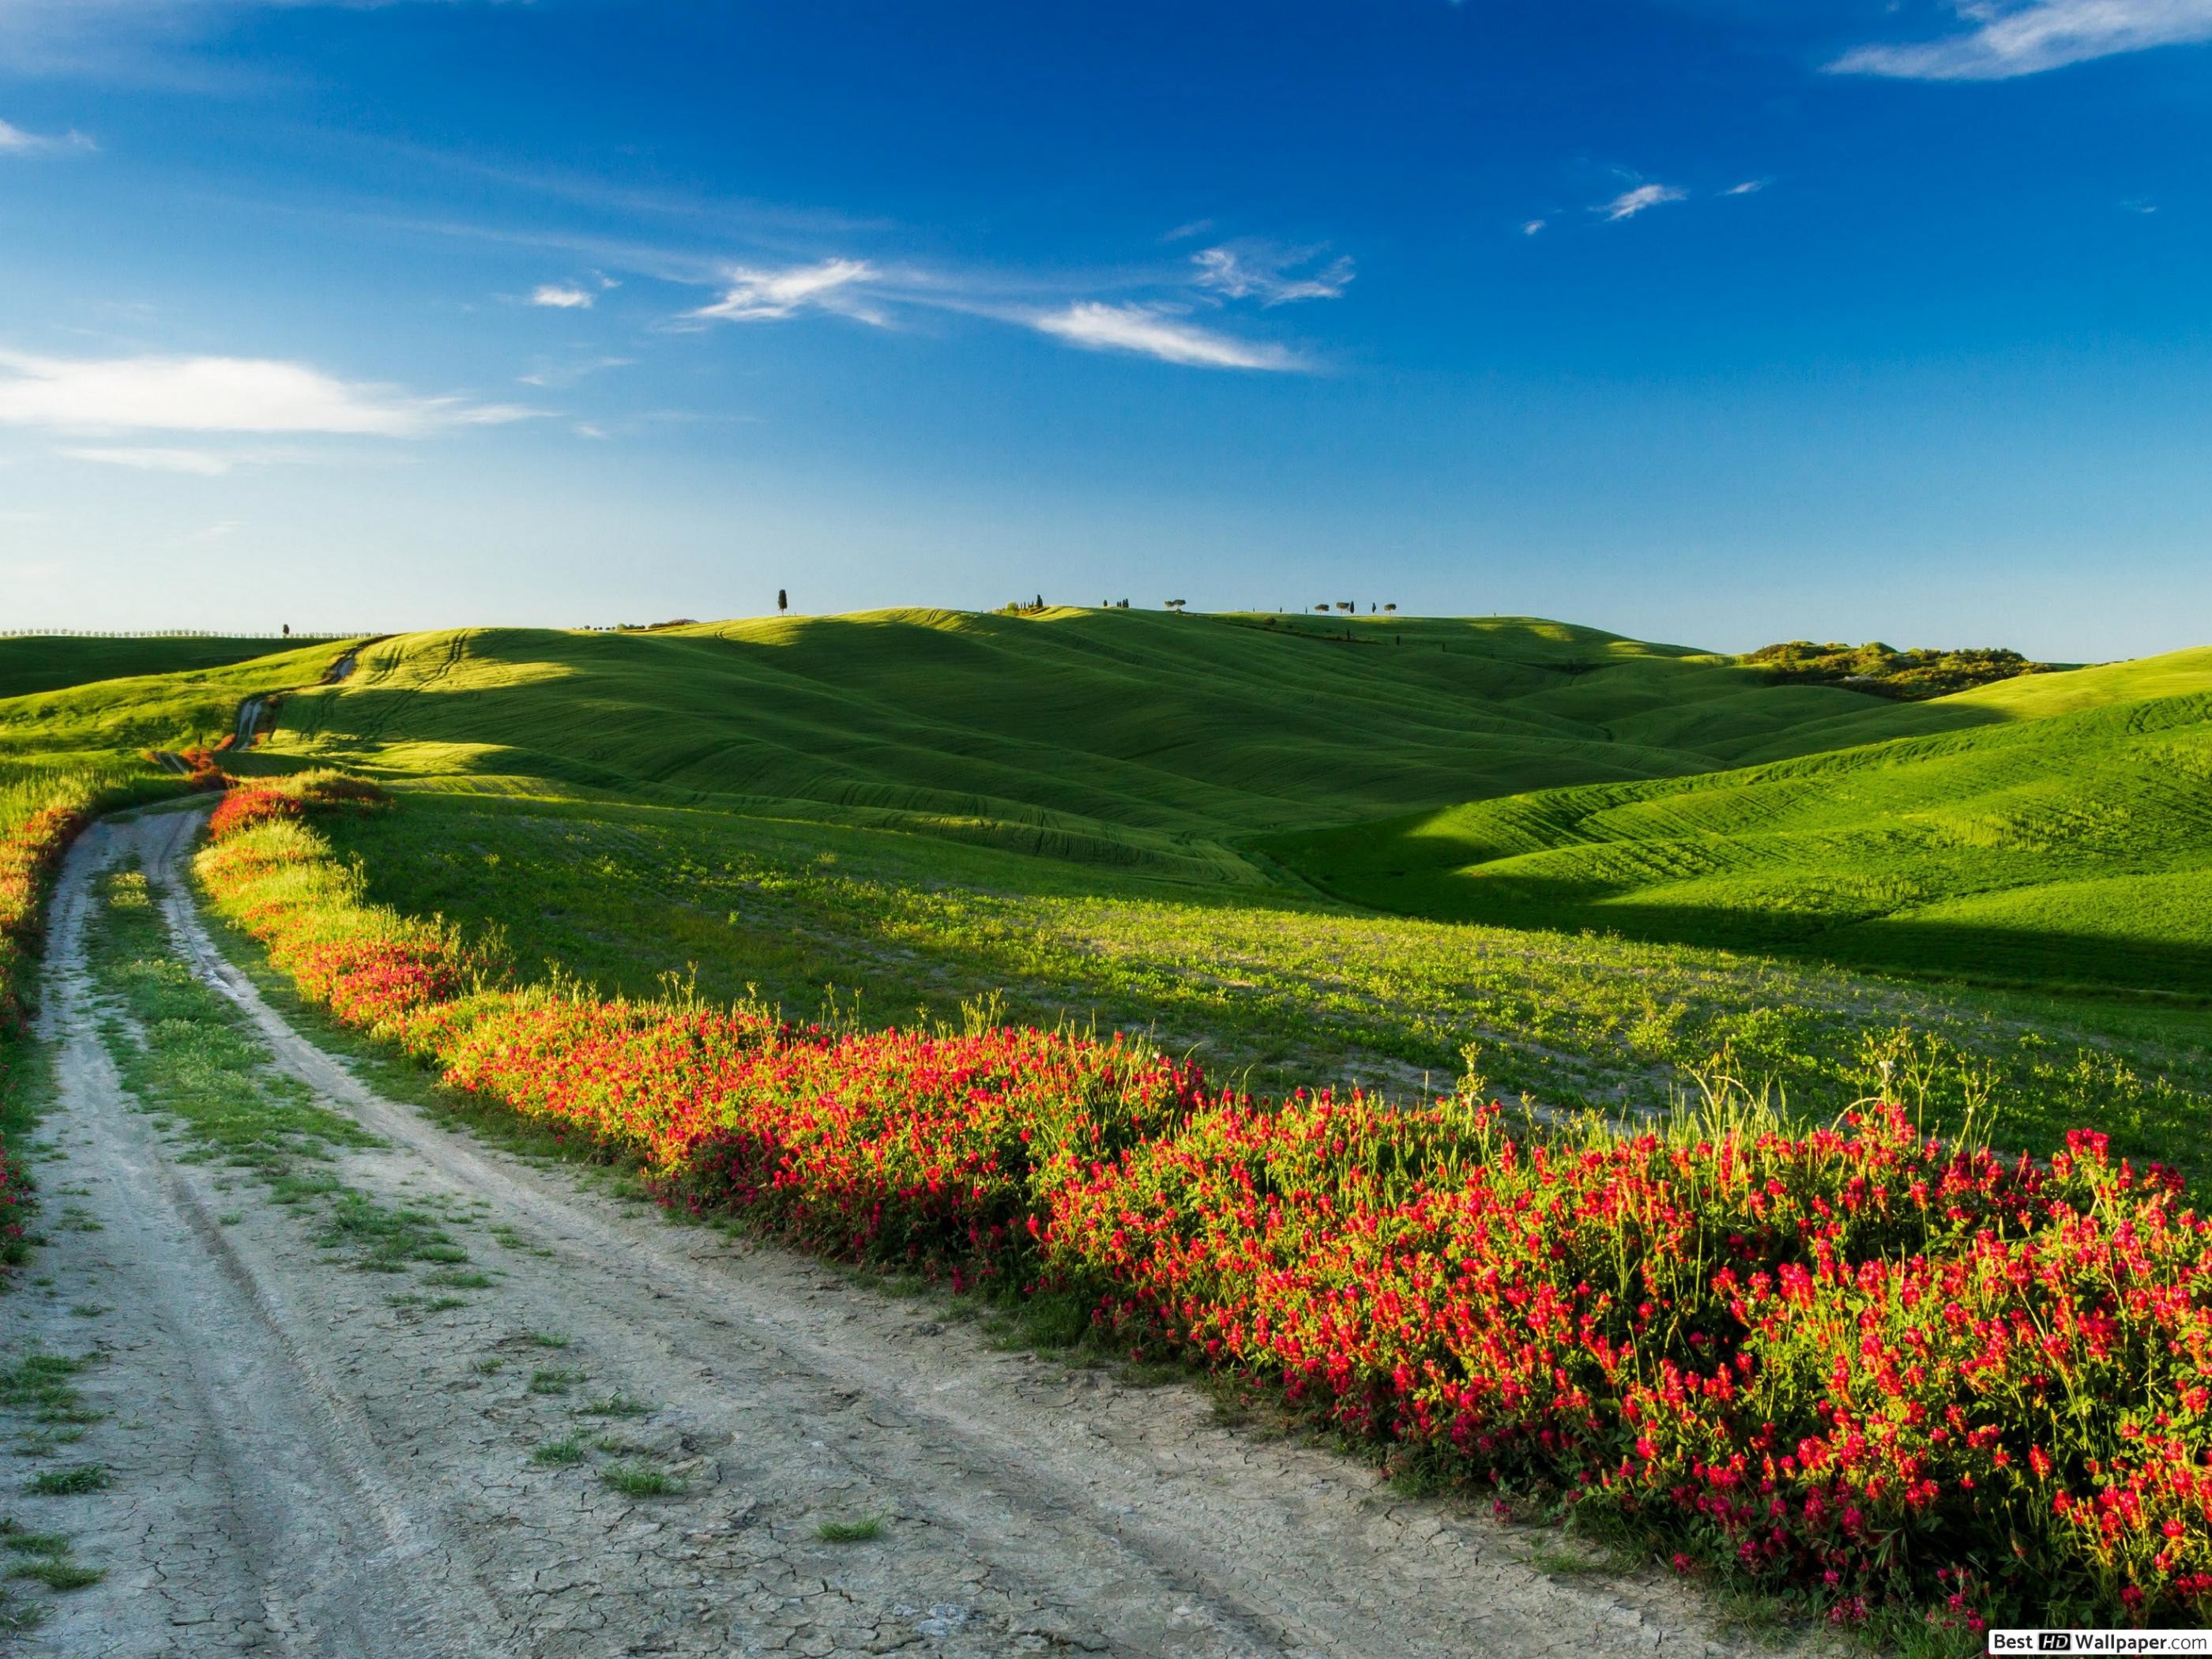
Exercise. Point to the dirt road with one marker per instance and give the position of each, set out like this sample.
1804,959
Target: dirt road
304,1463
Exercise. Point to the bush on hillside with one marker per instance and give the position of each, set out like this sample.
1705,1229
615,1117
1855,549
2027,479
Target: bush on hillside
1886,672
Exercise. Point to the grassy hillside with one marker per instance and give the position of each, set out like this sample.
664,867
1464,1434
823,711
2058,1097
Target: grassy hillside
2069,842
876,925
49,662
842,801
111,720
1127,737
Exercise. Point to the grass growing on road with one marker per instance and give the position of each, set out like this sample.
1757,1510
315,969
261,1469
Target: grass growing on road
186,1054
41,1401
76,1478
46,1558
641,1480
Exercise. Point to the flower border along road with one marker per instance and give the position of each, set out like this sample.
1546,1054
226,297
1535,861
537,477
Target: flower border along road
38,821
1897,1378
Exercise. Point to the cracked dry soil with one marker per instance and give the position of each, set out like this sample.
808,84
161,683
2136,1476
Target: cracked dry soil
303,1466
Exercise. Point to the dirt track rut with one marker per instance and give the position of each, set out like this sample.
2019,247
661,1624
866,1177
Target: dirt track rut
302,1467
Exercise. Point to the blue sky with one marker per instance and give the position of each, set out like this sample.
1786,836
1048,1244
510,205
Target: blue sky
1711,320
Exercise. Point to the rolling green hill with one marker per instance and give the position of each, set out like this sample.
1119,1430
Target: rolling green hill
1129,737
854,802
48,662
2069,841
1503,770
111,719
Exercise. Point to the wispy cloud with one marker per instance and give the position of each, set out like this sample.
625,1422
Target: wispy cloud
220,394
560,298
1533,226
754,296
14,141
1274,277
1630,203
561,374
1749,187
1151,333
197,463
2009,38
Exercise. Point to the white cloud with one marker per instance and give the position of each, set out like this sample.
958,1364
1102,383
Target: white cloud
1250,271
1749,187
14,141
220,394
198,463
1630,203
560,374
1532,227
1151,334
562,298
767,295
2025,37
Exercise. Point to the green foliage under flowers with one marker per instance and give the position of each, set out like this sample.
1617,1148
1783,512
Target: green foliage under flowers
1275,989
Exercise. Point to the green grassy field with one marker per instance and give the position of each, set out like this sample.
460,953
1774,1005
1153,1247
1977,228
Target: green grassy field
1156,823
1117,738
108,722
2068,843
1277,986
49,662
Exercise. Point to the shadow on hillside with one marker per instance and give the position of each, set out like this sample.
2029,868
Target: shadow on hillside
2012,956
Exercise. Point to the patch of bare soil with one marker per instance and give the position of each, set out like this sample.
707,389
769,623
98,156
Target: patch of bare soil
302,1464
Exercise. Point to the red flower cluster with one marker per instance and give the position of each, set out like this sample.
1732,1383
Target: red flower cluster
206,771
1855,1361
243,808
29,856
